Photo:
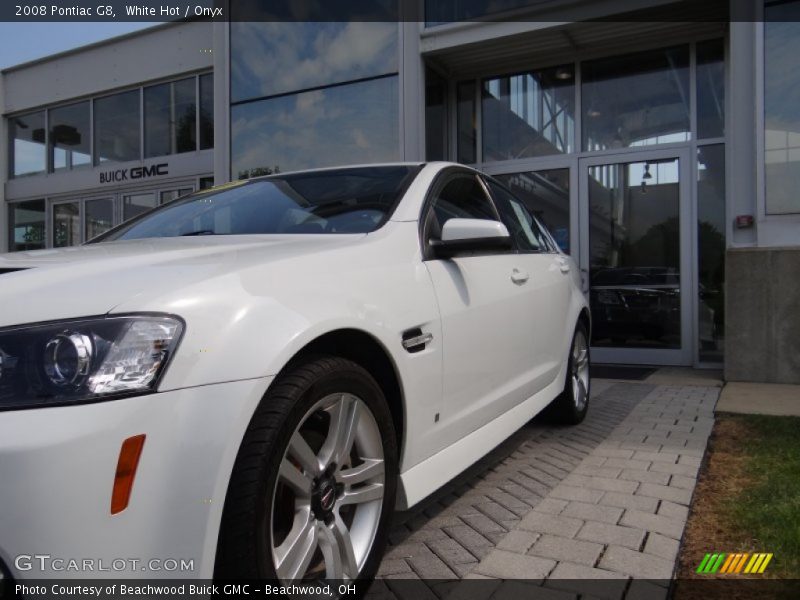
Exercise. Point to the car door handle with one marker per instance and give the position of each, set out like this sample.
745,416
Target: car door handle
563,264
519,277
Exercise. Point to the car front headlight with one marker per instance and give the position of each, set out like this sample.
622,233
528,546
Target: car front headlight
84,360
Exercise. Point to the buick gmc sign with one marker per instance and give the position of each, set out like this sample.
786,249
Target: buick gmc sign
134,173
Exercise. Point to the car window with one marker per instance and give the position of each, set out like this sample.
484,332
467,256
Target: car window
462,197
525,230
349,200
551,240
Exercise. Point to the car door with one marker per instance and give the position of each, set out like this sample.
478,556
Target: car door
487,324
548,289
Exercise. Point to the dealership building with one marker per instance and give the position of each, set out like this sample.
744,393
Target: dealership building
660,146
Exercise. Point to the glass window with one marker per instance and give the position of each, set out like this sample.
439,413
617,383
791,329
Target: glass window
636,100
465,115
531,114
66,224
546,194
634,254
435,116
782,107
206,111
521,225
27,133
26,225
135,204
116,127
710,89
99,216
70,140
711,251
310,54
462,197
170,195
170,112
354,123
206,182
352,200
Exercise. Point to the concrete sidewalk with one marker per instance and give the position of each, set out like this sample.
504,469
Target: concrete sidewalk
566,506
760,399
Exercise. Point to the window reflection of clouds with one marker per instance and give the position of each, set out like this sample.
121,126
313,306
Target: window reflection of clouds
781,113
279,57
636,100
356,123
530,114
116,122
27,131
782,82
170,118
711,89
70,140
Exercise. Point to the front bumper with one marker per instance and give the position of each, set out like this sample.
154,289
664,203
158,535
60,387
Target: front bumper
57,469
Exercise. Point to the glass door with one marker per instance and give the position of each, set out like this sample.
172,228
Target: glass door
66,224
635,256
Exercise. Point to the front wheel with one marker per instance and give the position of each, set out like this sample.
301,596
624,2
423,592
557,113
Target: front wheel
570,406
313,486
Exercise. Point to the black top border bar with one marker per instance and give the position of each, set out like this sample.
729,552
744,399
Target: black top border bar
432,12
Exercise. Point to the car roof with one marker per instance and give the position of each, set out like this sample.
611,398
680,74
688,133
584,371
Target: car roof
340,167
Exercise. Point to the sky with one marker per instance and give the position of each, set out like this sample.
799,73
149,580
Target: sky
21,42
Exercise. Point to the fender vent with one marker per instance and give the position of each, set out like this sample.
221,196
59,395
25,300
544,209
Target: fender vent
415,341
4,271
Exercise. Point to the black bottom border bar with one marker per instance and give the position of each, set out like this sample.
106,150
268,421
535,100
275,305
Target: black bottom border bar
404,589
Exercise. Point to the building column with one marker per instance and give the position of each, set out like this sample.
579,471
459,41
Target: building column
742,124
762,325
412,93
222,111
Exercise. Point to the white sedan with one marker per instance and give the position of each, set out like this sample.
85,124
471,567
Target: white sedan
247,381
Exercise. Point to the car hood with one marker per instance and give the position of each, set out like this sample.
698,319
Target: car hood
63,283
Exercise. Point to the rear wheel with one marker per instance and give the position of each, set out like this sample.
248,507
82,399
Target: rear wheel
313,486
571,405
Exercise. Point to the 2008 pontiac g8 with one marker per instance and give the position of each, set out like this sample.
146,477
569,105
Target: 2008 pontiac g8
253,377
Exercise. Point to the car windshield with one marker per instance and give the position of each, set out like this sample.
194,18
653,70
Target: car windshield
353,200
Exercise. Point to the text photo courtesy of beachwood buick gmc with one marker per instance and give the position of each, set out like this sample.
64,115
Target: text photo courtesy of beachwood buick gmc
252,378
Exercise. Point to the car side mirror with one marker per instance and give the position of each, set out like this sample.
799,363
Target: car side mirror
470,235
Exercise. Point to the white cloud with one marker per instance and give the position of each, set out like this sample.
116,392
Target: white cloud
272,58
342,125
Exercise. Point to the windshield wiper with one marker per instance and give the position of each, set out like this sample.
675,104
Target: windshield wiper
200,232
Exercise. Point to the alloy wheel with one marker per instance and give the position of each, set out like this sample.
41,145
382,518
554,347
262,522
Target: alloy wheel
327,500
580,371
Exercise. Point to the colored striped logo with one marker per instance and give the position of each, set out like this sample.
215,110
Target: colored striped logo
736,562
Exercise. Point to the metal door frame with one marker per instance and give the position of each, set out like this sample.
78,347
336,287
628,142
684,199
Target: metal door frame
684,356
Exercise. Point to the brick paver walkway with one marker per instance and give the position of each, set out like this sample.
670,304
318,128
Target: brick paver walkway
564,506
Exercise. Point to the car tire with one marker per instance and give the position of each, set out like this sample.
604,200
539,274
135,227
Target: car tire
279,521
571,405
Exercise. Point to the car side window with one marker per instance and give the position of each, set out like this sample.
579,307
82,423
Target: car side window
525,230
462,197
551,241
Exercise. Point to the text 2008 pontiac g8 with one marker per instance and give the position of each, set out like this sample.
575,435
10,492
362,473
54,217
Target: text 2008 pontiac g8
253,377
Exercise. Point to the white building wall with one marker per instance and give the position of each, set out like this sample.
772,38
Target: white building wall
164,51
160,52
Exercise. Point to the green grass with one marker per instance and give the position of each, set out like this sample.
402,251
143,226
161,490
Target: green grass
768,510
